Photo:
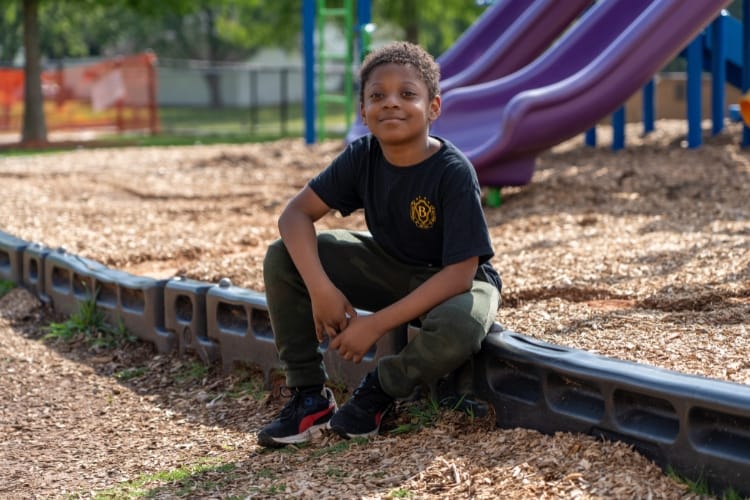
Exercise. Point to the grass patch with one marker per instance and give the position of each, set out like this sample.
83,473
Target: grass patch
339,447
247,382
5,287
131,373
192,372
401,493
421,414
189,481
188,126
700,487
89,324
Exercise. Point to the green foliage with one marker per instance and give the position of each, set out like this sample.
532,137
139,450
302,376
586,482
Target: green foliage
700,486
192,372
89,324
340,447
218,30
434,25
184,481
11,34
401,493
6,286
421,414
131,373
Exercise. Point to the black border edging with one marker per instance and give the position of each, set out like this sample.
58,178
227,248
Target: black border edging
697,426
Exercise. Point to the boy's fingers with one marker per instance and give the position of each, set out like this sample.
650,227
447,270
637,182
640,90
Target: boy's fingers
350,312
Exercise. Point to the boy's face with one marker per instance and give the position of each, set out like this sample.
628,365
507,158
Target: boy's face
397,107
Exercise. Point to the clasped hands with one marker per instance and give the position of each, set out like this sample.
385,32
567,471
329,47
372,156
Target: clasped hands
350,334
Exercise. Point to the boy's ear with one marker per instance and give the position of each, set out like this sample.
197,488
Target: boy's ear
435,108
362,113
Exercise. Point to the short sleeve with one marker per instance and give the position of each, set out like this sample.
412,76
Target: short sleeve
465,232
339,184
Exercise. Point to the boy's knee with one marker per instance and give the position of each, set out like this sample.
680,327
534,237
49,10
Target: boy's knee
458,323
277,258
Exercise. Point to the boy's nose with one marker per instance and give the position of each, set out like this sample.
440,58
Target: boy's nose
391,100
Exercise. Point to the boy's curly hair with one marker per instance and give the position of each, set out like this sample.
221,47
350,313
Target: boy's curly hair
405,53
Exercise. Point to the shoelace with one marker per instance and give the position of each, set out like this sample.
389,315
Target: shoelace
289,410
373,398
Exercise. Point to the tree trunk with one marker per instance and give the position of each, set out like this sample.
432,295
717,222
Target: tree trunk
213,77
213,80
34,126
410,15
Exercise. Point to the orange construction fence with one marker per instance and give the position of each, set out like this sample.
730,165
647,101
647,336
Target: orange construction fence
118,93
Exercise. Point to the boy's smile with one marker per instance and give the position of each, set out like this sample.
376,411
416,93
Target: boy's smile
397,108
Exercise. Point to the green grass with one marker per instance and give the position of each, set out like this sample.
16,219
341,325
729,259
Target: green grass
89,324
186,126
401,493
183,482
5,287
192,372
700,487
131,373
421,415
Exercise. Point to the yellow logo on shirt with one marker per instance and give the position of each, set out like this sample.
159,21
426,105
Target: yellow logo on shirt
423,213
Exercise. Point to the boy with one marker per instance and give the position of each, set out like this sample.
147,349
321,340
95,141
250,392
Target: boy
427,257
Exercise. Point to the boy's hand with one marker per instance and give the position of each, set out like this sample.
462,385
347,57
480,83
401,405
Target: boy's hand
353,342
331,312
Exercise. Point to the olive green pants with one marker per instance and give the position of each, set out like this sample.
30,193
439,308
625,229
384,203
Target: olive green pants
371,279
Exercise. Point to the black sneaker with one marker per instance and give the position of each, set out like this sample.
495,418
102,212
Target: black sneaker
304,415
362,414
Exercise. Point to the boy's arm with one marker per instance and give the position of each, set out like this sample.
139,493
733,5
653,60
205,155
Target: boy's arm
297,228
354,342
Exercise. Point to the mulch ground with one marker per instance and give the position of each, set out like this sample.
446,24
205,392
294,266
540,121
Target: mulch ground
641,254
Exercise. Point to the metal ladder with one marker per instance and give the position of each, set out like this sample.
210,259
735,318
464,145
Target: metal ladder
344,10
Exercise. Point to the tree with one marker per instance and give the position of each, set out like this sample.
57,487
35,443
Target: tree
220,30
11,31
34,128
434,25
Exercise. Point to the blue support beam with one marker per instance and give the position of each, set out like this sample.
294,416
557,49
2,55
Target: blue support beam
618,129
308,29
648,107
694,91
718,73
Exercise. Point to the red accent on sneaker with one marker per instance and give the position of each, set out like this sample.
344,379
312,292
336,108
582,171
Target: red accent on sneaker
310,420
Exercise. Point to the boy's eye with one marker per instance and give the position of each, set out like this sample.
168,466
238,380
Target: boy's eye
408,93
376,95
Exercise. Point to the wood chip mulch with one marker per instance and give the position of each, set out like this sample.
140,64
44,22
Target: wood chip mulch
641,254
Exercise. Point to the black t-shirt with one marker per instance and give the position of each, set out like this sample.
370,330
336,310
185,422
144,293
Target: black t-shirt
428,214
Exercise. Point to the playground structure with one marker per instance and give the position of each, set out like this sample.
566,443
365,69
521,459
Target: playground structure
612,51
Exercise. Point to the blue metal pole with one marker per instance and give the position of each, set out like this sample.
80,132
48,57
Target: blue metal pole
745,63
308,28
618,129
364,18
648,107
694,84
591,137
718,73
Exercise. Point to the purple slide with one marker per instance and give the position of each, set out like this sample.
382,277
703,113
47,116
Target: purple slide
608,55
506,37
